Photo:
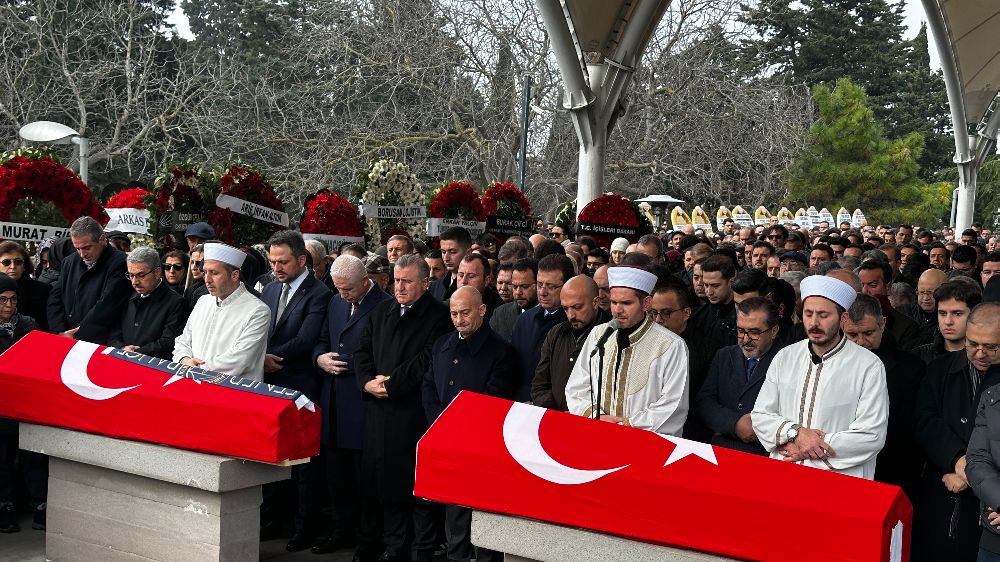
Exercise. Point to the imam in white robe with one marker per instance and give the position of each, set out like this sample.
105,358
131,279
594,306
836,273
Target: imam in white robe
843,395
229,336
650,387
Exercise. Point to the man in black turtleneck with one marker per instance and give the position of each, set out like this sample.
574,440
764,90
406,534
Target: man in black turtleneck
580,300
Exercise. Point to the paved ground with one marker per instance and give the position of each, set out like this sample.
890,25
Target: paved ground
29,546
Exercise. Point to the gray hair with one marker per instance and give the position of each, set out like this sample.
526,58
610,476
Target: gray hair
316,246
423,270
349,268
793,278
144,255
86,226
849,262
903,293
826,267
865,305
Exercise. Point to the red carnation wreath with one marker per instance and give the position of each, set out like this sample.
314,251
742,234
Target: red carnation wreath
182,188
506,201
611,216
330,214
247,184
457,200
32,173
133,198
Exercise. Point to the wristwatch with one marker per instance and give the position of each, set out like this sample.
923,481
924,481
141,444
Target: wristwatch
792,432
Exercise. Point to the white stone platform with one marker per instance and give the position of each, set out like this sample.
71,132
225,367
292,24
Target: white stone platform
114,500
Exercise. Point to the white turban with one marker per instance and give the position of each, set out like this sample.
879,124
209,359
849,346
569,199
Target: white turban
631,277
829,288
224,253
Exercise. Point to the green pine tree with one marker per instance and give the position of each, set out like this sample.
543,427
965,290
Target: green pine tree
848,161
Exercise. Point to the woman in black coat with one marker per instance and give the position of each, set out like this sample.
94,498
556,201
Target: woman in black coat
32,295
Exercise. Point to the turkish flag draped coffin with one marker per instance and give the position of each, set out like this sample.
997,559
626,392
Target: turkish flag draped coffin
516,459
52,380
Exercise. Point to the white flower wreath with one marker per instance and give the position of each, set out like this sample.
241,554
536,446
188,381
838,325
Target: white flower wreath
391,183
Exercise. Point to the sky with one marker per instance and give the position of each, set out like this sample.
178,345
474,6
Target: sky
914,17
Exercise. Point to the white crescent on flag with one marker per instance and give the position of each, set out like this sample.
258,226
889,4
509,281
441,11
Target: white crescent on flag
74,373
520,435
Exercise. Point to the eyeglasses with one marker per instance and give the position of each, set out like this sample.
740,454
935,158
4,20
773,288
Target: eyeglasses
198,264
8,300
548,287
987,347
925,293
140,276
752,334
664,314
774,237
557,235
173,266
15,261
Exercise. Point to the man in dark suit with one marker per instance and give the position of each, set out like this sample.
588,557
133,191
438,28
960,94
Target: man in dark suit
92,287
298,309
390,363
533,326
342,436
734,379
455,243
471,358
155,315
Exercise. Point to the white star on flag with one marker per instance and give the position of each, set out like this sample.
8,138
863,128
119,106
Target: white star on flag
684,447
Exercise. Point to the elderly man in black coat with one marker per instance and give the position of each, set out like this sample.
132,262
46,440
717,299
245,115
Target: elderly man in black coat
735,376
87,301
298,309
155,314
476,359
390,364
901,459
343,430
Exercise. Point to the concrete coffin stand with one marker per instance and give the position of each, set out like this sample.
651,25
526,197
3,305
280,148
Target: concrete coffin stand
115,500
527,540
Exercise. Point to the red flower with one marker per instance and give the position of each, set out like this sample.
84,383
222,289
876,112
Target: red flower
329,213
610,209
128,199
50,181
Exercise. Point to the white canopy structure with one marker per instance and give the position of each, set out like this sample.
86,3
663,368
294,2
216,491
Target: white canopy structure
967,37
597,44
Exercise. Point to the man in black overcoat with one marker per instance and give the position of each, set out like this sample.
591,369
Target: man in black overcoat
343,430
154,315
87,300
390,363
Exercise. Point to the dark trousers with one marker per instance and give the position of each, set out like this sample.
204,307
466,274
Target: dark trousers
354,512
409,523
34,468
303,485
458,528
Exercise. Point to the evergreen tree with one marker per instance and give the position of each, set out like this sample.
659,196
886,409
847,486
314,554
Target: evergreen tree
849,162
820,41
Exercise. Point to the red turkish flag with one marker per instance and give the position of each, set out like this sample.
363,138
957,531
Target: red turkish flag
52,380
499,456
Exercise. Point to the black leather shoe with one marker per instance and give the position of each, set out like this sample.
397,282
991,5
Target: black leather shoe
299,541
333,543
386,557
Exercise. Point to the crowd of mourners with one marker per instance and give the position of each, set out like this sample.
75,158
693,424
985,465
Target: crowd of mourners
868,351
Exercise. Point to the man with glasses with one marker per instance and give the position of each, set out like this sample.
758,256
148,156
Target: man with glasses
87,301
777,235
736,375
558,234
946,525
924,310
644,382
155,315
595,259
531,327
983,350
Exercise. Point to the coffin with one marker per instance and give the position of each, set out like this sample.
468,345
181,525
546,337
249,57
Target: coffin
495,455
52,380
